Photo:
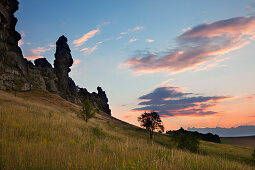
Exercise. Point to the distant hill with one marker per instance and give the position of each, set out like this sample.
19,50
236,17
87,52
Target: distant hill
228,132
246,141
206,137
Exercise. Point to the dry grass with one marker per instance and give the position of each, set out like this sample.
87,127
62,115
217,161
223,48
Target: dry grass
40,130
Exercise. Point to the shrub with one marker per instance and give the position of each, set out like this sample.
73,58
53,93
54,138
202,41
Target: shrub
186,142
253,155
97,131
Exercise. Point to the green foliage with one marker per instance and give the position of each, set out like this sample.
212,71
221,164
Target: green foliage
151,121
253,155
87,110
97,131
186,142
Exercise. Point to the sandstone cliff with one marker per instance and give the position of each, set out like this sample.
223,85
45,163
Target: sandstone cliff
17,73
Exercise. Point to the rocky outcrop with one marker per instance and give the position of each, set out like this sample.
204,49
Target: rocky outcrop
43,63
63,62
12,65
17,73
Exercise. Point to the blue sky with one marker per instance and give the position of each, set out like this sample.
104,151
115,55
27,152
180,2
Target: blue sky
119,33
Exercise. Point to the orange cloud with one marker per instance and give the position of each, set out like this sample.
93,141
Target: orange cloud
39,50
33,57
149,40
137,28
75,63
133,40
87,50
21,42
86,37
251,97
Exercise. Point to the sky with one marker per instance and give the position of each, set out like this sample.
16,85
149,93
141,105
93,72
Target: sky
190,60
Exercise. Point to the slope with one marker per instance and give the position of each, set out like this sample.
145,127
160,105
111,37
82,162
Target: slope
40,130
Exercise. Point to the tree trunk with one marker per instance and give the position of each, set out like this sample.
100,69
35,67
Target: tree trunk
151,133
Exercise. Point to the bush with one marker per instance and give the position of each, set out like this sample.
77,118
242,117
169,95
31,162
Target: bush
97,131
186,142
253,155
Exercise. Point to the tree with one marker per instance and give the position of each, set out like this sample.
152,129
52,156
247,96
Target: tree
87,110
151,121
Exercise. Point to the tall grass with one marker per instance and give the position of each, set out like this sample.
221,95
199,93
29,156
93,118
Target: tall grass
39,130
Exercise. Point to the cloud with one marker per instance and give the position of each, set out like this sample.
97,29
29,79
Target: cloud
251,97
86,37
32,58
250,7
123,33
216,63
39,50
149,40
119,37
137,28
21,42
164,83
133,40
172,101
197,46
186,29
75,63
87,50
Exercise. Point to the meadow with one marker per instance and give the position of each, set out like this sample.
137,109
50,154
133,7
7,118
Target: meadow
40,130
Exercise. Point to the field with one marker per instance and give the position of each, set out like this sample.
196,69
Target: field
246,141
40,130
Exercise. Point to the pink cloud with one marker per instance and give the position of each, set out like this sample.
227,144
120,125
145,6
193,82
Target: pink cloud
21,42
149,40
137,28
87,50
75,63
133,40
86,37
197,46
251,97
39,50
32,58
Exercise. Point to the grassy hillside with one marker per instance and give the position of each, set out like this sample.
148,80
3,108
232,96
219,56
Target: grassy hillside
40,130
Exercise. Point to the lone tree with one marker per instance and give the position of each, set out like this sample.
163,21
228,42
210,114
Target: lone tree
87,110
152,122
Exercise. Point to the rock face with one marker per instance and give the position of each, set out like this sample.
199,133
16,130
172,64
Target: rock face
12,65
42,62
17,73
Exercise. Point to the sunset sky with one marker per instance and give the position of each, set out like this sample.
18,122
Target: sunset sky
193,61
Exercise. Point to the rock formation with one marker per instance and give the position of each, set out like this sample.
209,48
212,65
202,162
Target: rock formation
42,62
17,73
